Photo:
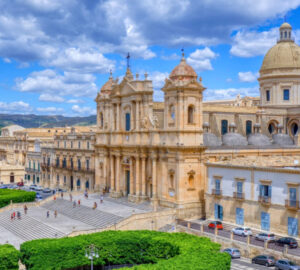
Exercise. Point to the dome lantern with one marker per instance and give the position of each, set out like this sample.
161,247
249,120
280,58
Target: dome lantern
285,32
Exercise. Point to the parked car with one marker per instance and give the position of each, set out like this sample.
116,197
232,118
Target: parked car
264,260
286,265
265,237
291,242
47,190
242,231
20,184
233,252
32,187
39,188
38,196
215,224
4,186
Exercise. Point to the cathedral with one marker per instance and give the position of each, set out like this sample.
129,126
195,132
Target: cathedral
157,151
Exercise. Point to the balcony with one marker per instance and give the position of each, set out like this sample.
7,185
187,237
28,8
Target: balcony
239,196
216,192
292,204
266,200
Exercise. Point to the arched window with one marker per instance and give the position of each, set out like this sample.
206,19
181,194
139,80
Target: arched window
78,183
294,129
101,120
127,121
190,114
191,180
224,127
172,112
248,127
87,184
271,128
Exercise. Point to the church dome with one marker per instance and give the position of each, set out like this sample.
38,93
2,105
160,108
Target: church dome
259,139
234,139
285,54
183,71
282,139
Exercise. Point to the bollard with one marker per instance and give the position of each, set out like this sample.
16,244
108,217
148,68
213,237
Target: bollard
285,250
231,236
189,224
216,231
248,240
266,244
201,228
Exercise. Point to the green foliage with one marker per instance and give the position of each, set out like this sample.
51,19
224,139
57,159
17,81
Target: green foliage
146,249
16,196
9,257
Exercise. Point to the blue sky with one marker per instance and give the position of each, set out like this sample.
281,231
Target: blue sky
55,54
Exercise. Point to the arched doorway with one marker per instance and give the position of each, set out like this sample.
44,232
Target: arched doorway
12,177
272,127
87,184
78,184
294,127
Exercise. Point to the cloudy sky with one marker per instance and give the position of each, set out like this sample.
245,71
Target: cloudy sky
56,54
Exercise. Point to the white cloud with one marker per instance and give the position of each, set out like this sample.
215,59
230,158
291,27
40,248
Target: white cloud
173,56
248,76
51,98
76,60
201,59
49,82
229,93
15,107
73,101
50,110
83,110
158,81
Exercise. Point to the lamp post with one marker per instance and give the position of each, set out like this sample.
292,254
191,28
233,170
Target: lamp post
91,252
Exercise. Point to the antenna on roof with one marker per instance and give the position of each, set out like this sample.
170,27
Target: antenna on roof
128,60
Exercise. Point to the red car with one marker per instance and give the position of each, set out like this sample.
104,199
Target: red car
20,184
215,224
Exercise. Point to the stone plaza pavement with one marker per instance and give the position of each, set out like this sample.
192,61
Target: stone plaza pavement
36,225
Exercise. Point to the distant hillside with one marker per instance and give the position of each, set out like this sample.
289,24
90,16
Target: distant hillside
32,120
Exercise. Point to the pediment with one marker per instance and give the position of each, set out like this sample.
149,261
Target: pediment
125,88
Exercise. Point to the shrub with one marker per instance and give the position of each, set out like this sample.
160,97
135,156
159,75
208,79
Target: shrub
145,249
16,196
9,257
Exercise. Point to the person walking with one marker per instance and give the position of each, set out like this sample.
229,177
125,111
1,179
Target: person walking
101,199
62,195
54,198
85,194
70,197
25,209
78,202
19,215
14,215
55,213
11,216
48,214
74,204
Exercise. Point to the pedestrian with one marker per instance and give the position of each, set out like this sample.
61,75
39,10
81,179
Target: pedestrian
25,209
14,215
48,214
74,204
101,199
11,216
70,197
85,194
95,205
62,195
18,214
78,202
54,198
55,213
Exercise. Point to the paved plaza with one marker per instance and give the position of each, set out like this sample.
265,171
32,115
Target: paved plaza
36,224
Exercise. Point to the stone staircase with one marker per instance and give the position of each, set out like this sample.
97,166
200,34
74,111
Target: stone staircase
28,228
84,214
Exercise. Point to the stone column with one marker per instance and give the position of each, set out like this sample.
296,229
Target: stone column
131,177
137,177
118,120
143,178
118,164
137,115
112,174
154,177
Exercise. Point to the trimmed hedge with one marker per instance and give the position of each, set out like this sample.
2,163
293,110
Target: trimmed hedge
9,257
146,249
16,196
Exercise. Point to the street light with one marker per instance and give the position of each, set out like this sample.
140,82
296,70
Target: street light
91,252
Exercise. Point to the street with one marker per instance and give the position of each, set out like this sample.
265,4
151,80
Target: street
245,264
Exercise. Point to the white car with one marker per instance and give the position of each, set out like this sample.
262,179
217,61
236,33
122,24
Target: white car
39,188
242,231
